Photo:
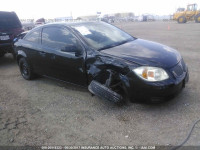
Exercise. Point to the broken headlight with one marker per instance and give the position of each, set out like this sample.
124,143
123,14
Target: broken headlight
151,74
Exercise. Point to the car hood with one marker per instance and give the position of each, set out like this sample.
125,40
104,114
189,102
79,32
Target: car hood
145,52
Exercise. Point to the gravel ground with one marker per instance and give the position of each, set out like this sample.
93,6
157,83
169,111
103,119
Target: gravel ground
48,112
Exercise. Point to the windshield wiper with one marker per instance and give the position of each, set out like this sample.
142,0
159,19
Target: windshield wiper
115,44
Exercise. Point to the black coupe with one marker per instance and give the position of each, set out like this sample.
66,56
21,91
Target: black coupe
111,63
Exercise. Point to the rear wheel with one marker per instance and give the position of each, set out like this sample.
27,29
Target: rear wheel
197,18
25,69
181,19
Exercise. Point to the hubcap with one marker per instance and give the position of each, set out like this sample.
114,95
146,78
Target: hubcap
24,69
181,19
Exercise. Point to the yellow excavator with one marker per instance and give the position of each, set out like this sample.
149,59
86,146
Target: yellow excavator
191,13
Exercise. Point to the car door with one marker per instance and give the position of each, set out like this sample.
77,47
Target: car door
62,62
32,46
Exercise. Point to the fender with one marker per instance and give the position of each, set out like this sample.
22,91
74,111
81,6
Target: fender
97,65
20,53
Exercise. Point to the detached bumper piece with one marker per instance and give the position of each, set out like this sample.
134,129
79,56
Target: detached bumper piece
103,92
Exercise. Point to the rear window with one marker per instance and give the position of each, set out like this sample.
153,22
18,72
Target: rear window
33,36
9,20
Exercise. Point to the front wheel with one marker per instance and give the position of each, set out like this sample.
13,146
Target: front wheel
181,19
197,18
109,86
25,69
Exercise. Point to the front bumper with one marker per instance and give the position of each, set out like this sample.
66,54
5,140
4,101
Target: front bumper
6,47
139,89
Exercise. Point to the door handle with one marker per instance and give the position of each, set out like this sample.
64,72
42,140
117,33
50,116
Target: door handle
42,53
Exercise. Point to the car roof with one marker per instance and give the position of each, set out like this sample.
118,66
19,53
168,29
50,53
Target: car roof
7,12
68,23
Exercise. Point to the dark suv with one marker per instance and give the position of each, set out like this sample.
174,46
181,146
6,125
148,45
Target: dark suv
10,27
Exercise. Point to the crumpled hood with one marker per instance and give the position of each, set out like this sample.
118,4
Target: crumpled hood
145,52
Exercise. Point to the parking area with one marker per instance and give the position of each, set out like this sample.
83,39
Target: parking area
49,112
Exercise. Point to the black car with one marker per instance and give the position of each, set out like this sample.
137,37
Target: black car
10,27
111,63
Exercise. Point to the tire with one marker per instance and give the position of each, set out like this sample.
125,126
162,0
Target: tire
181,19
25,69
114,84
197,18
2,54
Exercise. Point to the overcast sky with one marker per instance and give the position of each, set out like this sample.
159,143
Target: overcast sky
49,9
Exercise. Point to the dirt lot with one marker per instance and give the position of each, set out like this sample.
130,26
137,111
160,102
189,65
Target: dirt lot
48,112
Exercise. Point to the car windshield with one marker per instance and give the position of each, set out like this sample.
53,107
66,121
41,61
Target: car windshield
102,36
9,20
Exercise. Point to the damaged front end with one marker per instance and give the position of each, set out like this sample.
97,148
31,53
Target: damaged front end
104,92
113,79
107,77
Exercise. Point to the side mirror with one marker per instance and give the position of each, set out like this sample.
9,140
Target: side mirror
69,48
72,49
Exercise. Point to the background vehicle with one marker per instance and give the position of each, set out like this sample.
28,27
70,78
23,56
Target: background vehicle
111,63
39,22
10,27
108,19
28,26
191,13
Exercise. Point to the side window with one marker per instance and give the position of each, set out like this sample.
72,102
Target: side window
58,38
33,36
195,7
190,8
